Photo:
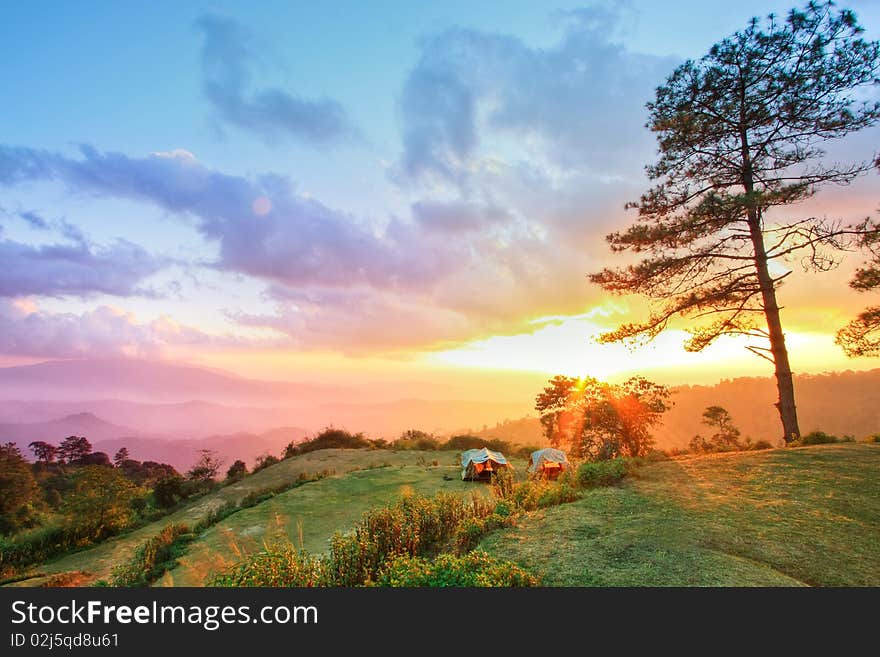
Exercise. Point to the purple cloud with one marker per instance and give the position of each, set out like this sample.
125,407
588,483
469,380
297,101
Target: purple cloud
227,53
25,330
264,228
77,269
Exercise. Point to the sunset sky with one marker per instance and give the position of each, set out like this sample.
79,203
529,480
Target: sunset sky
356,190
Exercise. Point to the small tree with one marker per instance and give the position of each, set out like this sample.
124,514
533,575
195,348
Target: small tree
600,420
73,449
44,452
100,502
206,468
170,490
740,133
726,436
237,471
121,456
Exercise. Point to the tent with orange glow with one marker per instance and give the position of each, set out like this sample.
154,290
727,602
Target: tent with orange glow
481,464
548,462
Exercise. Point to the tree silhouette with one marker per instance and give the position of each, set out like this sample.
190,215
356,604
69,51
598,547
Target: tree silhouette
43,451
121,456
726,436
237,470
206,468
740,133
73,449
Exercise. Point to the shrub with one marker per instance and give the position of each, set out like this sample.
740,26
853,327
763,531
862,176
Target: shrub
526,495
818,438
415,526
237,471
873,438
265,461
152,557
327,439
464,442
279,565
472,530
39,545
473,570
601,473
559,492
761,444
416,439
169,491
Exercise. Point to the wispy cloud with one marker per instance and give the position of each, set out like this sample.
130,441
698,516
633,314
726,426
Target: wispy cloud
74,268
26,330
227,58
578,104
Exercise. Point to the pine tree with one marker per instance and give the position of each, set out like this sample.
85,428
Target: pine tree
740,133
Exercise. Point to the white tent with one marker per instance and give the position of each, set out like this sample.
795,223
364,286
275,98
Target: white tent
481,463
548,462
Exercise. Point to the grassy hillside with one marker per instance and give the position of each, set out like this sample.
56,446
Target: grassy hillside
309,515
99,560
808,516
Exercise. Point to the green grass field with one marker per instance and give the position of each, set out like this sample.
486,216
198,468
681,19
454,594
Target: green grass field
807,516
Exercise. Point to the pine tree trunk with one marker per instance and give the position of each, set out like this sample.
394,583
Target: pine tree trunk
784,379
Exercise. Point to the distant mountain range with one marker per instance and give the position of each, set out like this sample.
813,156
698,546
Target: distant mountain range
164,411
148,381
183,453
53,431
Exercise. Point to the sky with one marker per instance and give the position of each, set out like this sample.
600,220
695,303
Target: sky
359,191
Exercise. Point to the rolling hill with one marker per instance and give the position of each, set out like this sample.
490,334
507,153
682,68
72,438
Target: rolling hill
785,517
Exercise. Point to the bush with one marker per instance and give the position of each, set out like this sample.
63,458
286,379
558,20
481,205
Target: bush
472,530
264,462
38,546
873,438
559,492
464,442
601,473
329,438
818,438
152,557
279,565
472,570
170,491
237,471
416,439
761,444
415,526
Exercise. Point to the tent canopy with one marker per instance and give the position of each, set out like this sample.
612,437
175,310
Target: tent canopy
548,456
481,462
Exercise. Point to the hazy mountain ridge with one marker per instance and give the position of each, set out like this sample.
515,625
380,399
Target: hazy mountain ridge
183,453
840,403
